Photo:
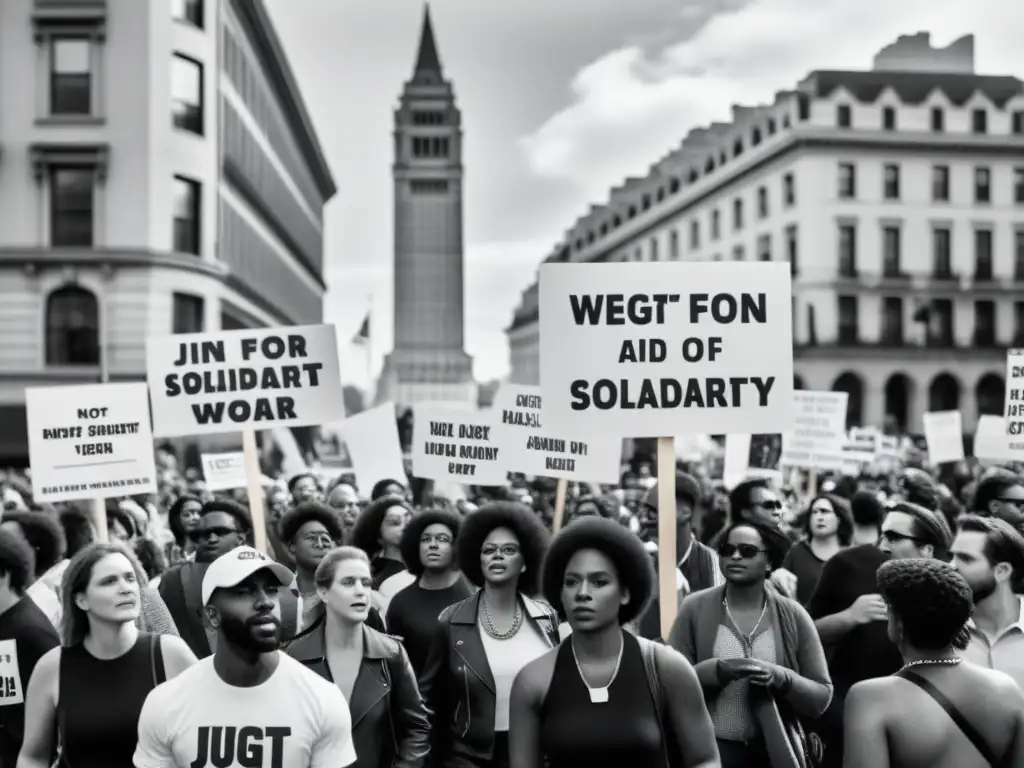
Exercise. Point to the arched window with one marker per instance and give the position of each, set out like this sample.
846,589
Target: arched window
852,385
990,394
898,393
944,393
72,327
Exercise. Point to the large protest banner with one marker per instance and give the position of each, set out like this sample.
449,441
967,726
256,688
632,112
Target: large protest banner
230,381
90,441
449,444
819,431
534,449
1015,398
687,348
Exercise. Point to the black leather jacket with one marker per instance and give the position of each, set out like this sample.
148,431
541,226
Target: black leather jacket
390,727
457,684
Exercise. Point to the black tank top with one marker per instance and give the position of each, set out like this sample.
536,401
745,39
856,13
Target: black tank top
99,703
624,731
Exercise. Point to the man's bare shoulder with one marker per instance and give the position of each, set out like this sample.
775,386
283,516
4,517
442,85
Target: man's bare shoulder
874,695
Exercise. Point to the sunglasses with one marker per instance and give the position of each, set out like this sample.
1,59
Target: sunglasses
747,551
894,537
199,534
775,504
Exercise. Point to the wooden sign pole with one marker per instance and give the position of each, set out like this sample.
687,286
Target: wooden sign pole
254,488
667,533
560,493
99,519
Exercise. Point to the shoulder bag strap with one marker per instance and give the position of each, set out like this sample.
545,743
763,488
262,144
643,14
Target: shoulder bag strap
954,714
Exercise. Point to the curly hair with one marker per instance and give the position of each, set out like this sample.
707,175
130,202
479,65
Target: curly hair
409,546
843,512
776,543
518,518
379,490
601,508
17,561
44,534
174,516
233,508
365,533
633,565
932,600
307,512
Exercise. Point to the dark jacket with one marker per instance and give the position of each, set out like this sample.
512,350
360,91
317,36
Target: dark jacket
390,727
457,684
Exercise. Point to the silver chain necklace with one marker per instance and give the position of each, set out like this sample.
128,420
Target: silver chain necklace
517,622
747,640
598,695
950,662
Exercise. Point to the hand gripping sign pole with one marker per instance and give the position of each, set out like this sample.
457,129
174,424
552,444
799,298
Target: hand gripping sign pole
668,594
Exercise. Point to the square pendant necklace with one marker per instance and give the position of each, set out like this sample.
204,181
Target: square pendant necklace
598,695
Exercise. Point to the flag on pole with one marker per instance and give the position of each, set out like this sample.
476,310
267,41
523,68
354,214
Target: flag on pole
363,336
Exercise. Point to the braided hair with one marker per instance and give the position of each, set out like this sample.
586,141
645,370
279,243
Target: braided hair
933,601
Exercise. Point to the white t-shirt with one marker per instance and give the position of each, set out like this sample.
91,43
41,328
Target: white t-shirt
295,719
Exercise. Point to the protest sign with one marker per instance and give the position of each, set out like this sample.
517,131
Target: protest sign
688,348
533,449
1015,397
944,435
90,441
371,440
819,431
750,456
991,443
232,381
12,688
224,471
454,445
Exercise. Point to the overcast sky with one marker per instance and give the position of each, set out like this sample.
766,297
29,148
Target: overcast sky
560,101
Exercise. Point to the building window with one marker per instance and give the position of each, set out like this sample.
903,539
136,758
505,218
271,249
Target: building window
187,94
71,206
440,187
984,323
72,327
762,202
942,256
189,11
792,250
70,76
187,215
938,120
889,119
716,225
803,107
847,181
1017,123
843,117
694,235
1018,254
654,249
891,184
1018,323
1018,185
737,253
979,121
982,185
788,190
847,250
847,319
940,323
983,254
892,321
737,214
189,314
673,245
940,183
431,146
428,118
891,252
764,247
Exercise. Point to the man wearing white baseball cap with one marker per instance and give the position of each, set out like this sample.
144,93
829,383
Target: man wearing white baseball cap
248,704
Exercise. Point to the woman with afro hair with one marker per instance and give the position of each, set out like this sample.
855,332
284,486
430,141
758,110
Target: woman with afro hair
605,697
898,721
482,642
378,532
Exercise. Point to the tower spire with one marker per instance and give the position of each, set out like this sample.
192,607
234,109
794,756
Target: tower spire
428,63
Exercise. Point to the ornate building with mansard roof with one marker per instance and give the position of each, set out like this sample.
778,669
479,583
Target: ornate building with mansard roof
897,197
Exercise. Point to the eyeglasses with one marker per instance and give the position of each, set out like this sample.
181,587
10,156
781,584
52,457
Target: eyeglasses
440,538
1016,502
773,504
319,539
747,551
203,533
509,550
895,537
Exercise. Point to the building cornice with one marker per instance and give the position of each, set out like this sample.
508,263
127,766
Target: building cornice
261,30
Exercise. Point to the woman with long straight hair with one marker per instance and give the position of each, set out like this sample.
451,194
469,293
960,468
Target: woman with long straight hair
389,721
482,642
85,696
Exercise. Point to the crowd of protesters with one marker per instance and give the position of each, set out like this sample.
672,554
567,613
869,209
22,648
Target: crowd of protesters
875,621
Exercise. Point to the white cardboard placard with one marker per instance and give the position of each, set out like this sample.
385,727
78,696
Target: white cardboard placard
230,381
224,471
12,688
1014,410
652,349
819,431
451,445
90,441
371,438
944,434
534,449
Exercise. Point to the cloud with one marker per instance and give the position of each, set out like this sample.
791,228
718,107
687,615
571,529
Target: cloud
631,106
